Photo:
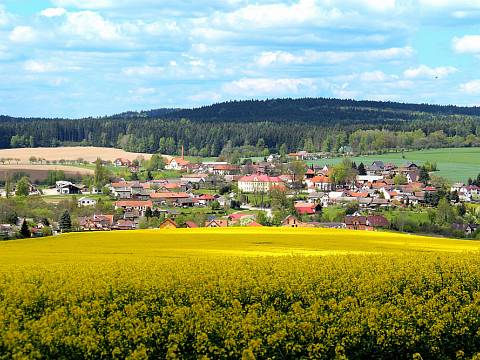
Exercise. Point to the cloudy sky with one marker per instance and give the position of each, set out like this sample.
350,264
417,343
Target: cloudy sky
95,57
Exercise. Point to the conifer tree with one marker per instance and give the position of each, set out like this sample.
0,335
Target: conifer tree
65,222
24,230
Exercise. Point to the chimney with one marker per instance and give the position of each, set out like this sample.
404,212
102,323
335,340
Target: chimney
183,152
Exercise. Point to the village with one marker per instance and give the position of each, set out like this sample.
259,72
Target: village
270,192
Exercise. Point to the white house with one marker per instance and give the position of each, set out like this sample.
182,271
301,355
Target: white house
258,183
176,164
86,201
122,162
369,178
67,188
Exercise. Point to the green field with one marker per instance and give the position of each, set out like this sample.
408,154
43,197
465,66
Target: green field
239,293
456,164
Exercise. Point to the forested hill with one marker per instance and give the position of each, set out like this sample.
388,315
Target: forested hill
248,128
306,110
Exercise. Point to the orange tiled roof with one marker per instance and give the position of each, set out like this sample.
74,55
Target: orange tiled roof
133,203
169,195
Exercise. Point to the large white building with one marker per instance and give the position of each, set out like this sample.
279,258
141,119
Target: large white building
259,183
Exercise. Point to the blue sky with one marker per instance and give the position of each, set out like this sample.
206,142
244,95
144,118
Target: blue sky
74,58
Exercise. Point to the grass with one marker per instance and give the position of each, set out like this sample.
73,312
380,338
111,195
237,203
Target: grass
456,164
103,247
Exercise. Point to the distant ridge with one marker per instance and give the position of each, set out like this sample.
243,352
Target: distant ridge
281,109
302,109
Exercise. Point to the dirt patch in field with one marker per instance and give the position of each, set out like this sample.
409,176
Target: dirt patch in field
89,154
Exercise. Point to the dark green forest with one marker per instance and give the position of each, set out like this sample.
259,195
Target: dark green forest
259,126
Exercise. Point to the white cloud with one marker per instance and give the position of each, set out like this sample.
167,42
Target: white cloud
90,25
5,17
206,96
331,57
39,66
426,72
277,15
53,12
143,70
85,4
471,87
467,44
22,34
380,6
272,57
143,91
265,86
185,67
374,76
439,4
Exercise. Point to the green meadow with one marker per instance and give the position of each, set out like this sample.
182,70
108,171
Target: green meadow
456,164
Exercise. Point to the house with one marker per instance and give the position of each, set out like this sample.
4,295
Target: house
410,166
241,219
168,197
177,164
273,158
188,202
96,223
468,229
369,223
321,183
125,224
216,223
225,169
378,221
303,208
190,225
292,221
469,193
301,155
122,162
317,197
254,224
412,176
197,181
86,201
369,178
205,199
310,173
377,167
258,183
168,224
137,205
357,222
67,188
6,230
121,190
346,150
336,196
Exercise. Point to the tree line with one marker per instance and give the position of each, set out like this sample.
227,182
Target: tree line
316,125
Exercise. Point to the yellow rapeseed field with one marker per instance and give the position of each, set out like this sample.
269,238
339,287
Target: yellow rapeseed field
180,243
239,293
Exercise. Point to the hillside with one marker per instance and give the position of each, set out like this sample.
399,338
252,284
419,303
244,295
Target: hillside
259,127
316,110
303,110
